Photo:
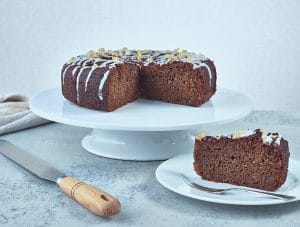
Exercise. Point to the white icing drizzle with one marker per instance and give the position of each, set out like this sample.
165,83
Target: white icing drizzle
269,138
202,64
78,80
72,63
86,62
99,60
88,78
81,61
104,64
101,85
239,134
244,133
147,63
64,73
75,69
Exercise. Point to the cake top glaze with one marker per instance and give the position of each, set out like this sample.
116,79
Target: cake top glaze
110,58
267,137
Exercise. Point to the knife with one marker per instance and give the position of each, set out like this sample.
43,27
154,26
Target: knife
94,199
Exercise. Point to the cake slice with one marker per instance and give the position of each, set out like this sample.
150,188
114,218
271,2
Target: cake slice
178,83
252,158
107,87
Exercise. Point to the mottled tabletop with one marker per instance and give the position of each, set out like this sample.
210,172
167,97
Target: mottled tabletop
26,200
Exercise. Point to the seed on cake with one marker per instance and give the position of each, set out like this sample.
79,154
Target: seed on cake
72,58
115,59
170,57
235,135
200,136
149,60
124,49
182,54
115,53
139,55
189,58
91,54
128,52
101,51
145,51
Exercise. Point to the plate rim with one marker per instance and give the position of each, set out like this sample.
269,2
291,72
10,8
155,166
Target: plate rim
214,200
124,127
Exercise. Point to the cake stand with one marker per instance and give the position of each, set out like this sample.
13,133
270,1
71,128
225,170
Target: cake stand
143,130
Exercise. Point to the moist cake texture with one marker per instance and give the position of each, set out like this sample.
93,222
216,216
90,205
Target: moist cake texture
252,158
109,79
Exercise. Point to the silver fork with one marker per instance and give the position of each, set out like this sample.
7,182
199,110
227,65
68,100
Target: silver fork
224,190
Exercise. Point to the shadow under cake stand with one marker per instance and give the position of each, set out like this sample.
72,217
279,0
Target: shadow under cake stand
143,130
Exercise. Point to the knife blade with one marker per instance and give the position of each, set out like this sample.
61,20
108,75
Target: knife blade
92,198
26,160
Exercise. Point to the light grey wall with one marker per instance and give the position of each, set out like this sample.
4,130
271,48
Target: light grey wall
255,44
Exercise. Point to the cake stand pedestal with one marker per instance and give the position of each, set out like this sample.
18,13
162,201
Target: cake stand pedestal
143,130
143,146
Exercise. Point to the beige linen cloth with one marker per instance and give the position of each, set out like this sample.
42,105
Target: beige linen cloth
15,114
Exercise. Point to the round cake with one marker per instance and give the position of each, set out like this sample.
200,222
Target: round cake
108,79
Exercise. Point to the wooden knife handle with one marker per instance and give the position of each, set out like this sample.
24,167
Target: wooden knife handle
92,198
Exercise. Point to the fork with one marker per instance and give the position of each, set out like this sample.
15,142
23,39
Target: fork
224,190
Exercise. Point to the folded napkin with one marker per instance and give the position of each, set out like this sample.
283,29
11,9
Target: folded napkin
15,114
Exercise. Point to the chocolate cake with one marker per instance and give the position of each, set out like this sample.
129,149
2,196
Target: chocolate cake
107,79
252,158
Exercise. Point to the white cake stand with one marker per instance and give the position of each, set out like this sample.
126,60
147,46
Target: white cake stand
142,130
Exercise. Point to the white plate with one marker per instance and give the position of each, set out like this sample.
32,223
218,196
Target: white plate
144,115
168,175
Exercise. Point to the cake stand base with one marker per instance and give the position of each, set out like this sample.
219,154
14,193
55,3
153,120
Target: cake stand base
138,146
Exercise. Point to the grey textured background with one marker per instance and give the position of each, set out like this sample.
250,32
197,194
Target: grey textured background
30,201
